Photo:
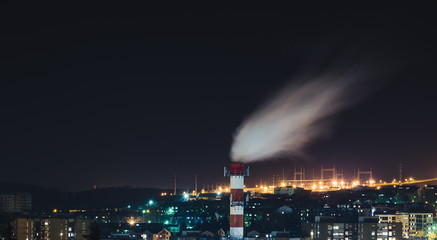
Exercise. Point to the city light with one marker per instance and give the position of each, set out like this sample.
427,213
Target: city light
170,211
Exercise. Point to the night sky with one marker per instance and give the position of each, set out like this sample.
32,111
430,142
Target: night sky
118,95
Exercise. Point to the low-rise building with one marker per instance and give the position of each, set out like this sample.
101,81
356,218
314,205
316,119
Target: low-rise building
164,234
288,190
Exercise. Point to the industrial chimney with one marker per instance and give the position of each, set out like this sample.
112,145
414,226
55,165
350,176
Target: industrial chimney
237,173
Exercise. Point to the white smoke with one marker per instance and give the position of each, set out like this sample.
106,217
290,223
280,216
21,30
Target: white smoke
295,117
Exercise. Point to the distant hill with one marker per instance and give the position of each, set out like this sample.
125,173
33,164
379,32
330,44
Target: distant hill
47,198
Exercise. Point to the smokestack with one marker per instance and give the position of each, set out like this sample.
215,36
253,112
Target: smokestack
237,173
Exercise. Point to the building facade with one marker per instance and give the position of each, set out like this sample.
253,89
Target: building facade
15,202
414,225
364,228
52,228
164,234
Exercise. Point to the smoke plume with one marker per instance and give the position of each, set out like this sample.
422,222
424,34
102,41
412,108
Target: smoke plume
295,117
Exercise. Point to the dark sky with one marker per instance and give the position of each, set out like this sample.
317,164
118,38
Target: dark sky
116,94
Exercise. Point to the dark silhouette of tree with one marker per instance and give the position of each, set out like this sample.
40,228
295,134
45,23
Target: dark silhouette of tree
7,232
94,231
183,226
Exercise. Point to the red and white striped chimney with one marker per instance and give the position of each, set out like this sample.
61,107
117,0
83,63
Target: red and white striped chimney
237,174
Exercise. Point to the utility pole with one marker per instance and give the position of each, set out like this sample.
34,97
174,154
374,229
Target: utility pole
174,193
321,174
294,172
195,184
400,172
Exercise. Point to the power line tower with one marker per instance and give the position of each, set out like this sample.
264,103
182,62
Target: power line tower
329,170
301,175
369,173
